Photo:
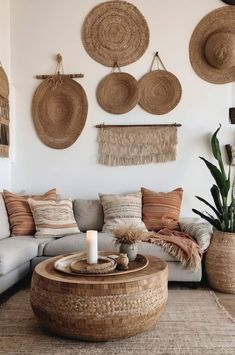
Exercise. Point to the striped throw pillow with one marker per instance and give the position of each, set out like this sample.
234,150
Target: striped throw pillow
20,215
161,209
122,210
201,232
53,218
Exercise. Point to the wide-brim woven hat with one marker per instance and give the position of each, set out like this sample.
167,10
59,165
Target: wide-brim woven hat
118,93
212,46
59,110
115,32
4,84
160,91
229,2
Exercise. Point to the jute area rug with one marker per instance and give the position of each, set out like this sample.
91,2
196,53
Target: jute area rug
193,323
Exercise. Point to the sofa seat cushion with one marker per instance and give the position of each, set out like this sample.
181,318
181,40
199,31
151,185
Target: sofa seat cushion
77,243
16,251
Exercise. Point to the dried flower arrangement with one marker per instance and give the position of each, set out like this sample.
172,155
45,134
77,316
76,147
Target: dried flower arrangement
128,235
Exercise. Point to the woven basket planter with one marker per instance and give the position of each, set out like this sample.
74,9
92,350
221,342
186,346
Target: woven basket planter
220,262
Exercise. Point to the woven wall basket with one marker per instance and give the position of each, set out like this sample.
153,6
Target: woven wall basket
212,46
4,84
118,93
115,31
59,112
220,262
160,91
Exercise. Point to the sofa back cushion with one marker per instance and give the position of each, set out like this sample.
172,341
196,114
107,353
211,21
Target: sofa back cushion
122,210
4,222
20,215
88,214
161,209
53,218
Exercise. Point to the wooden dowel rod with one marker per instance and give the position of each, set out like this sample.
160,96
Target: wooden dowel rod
72,76
140,125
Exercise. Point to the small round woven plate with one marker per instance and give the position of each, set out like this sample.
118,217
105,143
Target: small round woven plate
118,93
4,84
160,91
59,111
115,31
104,265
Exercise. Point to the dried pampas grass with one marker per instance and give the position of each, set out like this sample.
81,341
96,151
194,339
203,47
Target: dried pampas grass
128,235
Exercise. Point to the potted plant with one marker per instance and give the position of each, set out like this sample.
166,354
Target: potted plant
220,257
128,237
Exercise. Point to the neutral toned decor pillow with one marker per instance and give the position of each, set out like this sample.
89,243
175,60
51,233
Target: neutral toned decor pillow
20,215
4,223
122,210
161,209
201,232
53,218
88,214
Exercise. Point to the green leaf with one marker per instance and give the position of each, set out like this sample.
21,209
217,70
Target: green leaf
213,222
216,197
221,181
215,145
218,214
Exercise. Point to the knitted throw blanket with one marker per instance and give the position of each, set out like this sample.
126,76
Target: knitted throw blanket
178,244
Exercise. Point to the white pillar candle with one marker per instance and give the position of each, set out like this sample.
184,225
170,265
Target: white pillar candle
91,247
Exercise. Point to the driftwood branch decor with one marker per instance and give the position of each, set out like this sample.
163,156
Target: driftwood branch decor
136,144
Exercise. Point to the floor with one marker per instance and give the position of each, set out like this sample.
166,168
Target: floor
228,301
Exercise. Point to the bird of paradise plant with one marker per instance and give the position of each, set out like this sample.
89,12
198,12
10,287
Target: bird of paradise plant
223,217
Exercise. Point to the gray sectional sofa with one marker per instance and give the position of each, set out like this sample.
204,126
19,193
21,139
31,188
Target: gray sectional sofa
19,255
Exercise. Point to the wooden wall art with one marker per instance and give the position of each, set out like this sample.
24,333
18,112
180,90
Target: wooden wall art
4,114
115,31
136,144
59,108
160,91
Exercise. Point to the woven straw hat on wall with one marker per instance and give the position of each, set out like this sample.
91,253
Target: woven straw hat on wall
212,46
4,84
118,93
115,31
59,110
229,2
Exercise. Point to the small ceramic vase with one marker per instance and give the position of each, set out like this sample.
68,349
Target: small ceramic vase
130,250
122,262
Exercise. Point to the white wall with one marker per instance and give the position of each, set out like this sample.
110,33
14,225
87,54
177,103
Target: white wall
40,29
5,165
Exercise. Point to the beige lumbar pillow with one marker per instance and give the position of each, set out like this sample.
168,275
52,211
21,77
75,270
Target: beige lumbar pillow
122,210
53,218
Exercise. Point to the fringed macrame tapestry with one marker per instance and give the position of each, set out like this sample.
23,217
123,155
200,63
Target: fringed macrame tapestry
133,145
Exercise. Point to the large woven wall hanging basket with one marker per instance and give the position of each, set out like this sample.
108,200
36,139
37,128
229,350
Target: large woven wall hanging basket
115,31
59,112
160,91
4,84
118,93
212,46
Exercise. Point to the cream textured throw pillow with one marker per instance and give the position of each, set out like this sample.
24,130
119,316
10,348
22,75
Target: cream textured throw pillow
201,232
53,218
122,210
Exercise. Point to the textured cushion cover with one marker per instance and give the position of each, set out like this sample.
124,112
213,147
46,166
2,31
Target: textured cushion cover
122,210
201,232
4,223
88,214
53,218
20,215
161,209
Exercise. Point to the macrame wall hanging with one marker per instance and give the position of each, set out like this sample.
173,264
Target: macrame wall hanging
59,108
4,114
136,144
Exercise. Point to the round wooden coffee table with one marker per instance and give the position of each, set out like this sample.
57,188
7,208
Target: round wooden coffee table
99,308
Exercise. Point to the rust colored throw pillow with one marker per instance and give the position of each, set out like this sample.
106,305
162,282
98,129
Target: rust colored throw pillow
161,209
20,215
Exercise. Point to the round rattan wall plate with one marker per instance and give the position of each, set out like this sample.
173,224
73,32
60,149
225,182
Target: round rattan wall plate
118,93
4,84
160,91
115,31
212,46
59,111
